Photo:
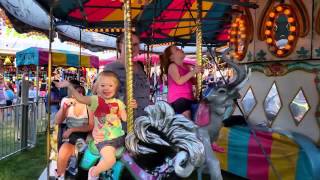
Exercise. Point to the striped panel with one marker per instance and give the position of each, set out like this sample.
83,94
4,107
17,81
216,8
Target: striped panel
284,155
238,150
43,57
258,166
304,169
178,4
72,60
181,31
95,14
117,14
223,142
85,61
59,59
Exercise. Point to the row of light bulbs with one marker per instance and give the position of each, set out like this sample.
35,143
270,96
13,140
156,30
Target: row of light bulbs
280,9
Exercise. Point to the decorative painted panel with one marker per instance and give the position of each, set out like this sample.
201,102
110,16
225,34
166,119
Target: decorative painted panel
282,31
293,77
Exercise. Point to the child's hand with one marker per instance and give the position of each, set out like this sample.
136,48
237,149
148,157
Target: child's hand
97,135
197,69
62,84
133,104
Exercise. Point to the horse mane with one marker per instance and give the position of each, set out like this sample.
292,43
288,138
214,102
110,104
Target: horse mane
161,127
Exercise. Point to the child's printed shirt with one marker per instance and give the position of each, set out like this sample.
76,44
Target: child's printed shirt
107,116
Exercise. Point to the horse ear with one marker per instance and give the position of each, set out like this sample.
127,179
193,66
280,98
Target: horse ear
302,16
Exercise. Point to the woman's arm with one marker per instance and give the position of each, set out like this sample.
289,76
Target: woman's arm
174,73
61,114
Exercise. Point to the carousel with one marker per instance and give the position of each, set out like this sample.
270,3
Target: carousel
265,120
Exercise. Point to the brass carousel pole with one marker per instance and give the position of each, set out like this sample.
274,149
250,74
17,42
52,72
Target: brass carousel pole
199,47
128,60
51,29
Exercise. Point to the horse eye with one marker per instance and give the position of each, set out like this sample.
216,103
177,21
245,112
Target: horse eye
221,91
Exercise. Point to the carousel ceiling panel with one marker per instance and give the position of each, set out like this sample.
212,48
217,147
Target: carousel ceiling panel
156,21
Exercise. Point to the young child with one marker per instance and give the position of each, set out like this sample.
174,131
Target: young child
103,104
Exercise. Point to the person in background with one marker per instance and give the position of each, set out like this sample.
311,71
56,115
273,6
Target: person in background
9,94
2,92
79,122
32,92
141,85
180,80
54,103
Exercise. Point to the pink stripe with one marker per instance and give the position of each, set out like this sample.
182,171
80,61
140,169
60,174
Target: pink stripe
94,61
258,166
96,14
43,57
178,4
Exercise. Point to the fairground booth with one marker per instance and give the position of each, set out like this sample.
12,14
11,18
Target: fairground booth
67,64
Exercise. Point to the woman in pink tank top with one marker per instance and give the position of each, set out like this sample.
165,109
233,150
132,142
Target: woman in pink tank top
180,80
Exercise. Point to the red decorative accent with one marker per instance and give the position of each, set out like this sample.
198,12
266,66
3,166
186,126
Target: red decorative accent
276,68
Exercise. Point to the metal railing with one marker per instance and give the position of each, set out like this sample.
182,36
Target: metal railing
12,128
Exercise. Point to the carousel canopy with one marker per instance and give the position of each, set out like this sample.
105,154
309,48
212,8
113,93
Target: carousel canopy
156,22
39,57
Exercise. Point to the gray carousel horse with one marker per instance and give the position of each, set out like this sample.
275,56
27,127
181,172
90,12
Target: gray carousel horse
218,101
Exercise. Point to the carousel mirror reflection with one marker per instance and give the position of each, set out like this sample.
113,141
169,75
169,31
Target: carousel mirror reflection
299,107
272,103
248,102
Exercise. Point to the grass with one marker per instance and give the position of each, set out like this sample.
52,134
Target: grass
25,165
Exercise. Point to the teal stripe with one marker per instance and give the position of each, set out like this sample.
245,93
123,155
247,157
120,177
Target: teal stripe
303,169
308,163
27,57
72,60
238,150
